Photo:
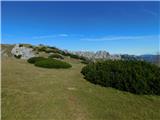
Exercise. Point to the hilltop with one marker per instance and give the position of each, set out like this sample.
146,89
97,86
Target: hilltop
84,56
30,92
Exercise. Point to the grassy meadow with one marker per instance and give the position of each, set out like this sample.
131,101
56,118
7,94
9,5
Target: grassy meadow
33,93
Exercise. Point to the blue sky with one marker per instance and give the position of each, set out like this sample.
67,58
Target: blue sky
118,27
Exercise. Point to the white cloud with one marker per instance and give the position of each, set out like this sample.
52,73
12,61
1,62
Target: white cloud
63,35
50,36
150,12
114,38
43,37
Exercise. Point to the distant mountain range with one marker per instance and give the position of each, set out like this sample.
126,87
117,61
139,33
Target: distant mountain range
97,55
151,58
105,55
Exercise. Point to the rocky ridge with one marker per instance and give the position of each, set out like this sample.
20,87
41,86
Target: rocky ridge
97,55
22,52
26,51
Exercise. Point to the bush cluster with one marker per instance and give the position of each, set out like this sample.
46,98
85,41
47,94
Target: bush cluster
86,61
48,62
52,63
48,49
137,77
72,55
56,56
20,45
18,56
41,49
33,60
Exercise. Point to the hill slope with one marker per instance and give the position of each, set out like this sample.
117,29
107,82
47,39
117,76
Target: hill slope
32,93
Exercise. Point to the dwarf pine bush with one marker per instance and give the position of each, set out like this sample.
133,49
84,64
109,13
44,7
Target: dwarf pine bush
35,59
56,56
52,63
137,77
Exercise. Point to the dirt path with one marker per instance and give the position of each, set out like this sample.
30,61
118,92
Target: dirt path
78,111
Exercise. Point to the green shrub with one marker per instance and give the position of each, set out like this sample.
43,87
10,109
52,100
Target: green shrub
137,77
35,59
18,56
76,56
72,55
52,47
20,45
30,46
56,56
48,50
86,61
41,49
52,63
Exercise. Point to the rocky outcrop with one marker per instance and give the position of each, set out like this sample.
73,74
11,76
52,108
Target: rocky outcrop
97,55
101,55
86,54
22,52
115,57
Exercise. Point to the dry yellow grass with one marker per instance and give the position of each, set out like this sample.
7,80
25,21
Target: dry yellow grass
32,93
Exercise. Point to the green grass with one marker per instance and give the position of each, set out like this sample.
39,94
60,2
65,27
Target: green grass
33,93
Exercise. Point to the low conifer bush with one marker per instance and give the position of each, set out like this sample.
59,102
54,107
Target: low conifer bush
137,77
52,63
32,60
56,56
18,56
